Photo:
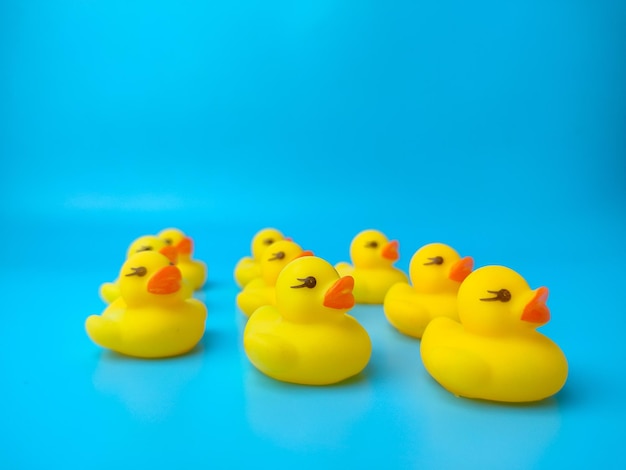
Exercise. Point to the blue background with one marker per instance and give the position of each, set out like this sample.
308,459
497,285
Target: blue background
496,127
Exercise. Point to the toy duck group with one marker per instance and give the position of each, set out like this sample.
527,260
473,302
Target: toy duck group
477,327
151,312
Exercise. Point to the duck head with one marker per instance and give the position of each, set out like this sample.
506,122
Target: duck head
178,240
148,277
437,267
372,249
152,243
277,256
497,300
309,289
263,239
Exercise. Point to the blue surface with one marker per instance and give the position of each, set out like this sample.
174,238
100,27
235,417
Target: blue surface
496,127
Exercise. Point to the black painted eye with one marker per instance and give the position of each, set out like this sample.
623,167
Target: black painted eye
140,271
372,245
502,295
309,282
268,241
168,241
144,248
279,255
435,260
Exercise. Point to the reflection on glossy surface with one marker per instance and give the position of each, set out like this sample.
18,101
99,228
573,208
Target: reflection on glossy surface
295,416
520,433
148,388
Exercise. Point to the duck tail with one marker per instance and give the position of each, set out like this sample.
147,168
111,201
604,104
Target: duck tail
344,269
248,300
109,292
102,331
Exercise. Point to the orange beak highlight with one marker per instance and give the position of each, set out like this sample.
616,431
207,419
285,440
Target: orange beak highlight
461,269
536,311
185,246
390,250
170,252
166,281
339,295
305,253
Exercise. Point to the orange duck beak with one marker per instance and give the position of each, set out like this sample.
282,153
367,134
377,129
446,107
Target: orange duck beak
166,281
185,246
461,269
339,295
170,252
305,253
390,250
536,311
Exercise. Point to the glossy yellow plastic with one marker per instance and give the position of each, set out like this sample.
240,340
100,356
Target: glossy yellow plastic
372,256
495,352
436,272
249,268
308,338
110,291
262,290
194,271
152,318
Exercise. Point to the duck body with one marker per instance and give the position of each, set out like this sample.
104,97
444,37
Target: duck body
508,368
153,317
494,351
249,267
410,311
372,256
371,284
307,337
306,353
149,331
436,272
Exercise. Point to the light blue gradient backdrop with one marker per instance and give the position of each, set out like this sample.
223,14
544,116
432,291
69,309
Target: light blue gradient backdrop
497,127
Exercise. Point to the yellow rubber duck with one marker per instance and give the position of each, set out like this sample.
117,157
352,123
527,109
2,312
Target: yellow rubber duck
194,271
262,290
308,338
495,352
373,256
249,268
436,271
110,291
151,318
